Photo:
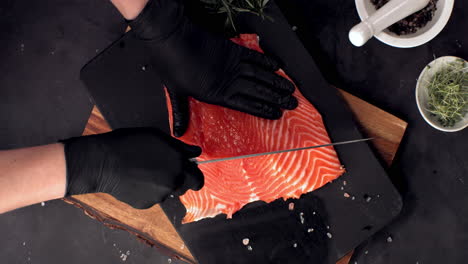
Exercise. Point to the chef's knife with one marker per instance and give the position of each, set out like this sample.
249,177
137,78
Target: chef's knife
278,151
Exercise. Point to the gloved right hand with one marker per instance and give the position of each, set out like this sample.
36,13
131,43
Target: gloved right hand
139,166
193,62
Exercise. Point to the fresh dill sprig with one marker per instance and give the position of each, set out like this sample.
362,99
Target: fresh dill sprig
448,93
233,7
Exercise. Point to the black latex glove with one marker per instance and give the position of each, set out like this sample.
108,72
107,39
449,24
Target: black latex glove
193,62
139,166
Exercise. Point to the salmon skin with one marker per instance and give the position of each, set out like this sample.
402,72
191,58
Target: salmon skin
223,132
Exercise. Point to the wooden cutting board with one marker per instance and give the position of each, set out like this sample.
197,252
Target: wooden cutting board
154,228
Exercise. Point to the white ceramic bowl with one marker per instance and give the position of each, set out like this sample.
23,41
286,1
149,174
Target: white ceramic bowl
444,9
422,95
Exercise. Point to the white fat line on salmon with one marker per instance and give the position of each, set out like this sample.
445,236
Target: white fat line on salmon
323,179
298,163
274,165
297,179
317,129
276,184
220,206
304,116
288,161
306,134
253,197
313,169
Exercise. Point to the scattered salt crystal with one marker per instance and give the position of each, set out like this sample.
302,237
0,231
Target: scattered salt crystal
24,243
245,241
42,204
29,258
114,245
353,198
389,239
97,50
367,252
346,195
123,257
301,216
342,188
172,196
128,252
328,227
249,248
378,195
291,206
310,230
295,245
344,183
368,199
294,28
143,68
329,235
169,260
313,212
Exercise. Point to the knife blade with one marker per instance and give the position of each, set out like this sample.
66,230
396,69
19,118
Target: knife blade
278,151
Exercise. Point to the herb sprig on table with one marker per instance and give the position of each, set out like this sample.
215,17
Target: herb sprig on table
448,93
233,7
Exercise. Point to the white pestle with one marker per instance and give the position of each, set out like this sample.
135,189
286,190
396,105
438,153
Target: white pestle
387,15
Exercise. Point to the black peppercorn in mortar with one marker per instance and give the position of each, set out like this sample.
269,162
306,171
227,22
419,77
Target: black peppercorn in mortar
412,23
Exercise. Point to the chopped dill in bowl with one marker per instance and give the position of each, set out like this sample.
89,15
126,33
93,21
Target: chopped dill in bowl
448,93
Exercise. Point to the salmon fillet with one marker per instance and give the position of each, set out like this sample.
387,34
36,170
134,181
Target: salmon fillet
222,132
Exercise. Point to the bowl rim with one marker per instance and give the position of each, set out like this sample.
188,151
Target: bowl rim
419,87
398,42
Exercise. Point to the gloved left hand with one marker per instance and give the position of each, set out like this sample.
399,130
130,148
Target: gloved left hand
139,166
194,63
